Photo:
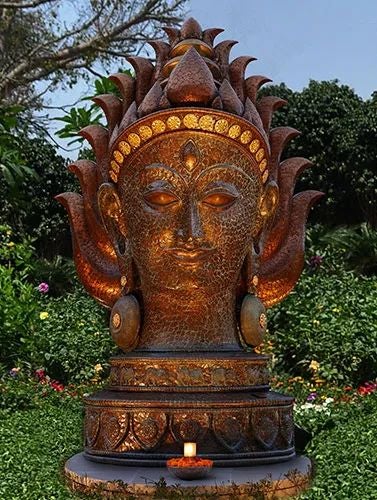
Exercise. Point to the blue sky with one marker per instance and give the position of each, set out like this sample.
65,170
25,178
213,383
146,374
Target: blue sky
298,40
294,41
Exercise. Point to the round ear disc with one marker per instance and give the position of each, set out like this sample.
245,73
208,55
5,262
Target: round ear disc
125,322
253,320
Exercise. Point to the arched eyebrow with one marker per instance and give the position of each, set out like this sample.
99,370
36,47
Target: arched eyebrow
157,185
160,167
157,171
221,166
214,186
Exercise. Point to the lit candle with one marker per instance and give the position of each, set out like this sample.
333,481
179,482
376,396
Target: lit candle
189,449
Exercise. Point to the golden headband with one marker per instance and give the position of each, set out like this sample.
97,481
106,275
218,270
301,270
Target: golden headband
204,120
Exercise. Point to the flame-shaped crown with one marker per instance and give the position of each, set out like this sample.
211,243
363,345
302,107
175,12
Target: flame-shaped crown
189,72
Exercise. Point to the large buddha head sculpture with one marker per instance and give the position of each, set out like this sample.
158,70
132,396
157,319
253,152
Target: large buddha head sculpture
187,225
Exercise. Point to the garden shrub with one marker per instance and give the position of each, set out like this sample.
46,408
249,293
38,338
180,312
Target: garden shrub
30,207
13,167
358,246
338,134
327,325
21,390
67,335
69,338
18,298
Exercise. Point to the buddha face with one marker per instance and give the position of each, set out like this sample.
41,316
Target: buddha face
190,205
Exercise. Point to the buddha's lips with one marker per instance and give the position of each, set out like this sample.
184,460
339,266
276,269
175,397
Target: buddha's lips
190,255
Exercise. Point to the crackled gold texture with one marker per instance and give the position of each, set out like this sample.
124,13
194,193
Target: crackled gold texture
187,209
249,428
142,373
222,104
189,252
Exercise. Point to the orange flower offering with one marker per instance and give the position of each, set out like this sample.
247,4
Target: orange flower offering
189,462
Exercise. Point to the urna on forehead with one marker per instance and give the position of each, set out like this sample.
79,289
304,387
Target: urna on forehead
190,140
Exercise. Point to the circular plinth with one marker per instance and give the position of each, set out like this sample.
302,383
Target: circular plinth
232,429
273,480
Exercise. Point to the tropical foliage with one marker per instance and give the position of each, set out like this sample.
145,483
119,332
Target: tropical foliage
328,325
13,167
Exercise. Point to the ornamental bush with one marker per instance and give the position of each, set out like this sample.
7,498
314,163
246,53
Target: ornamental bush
18,298
339,135
66,335
344,454
69,338
328,325
30,208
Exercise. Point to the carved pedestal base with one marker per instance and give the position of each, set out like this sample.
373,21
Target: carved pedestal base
189,372
242,483
228,428
154,404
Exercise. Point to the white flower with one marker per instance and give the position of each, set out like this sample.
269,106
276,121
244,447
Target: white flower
327,401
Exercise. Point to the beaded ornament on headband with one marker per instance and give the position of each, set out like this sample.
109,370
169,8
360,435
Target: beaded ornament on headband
222,124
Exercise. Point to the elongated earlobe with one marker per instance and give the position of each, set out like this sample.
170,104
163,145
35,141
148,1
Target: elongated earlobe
115,224
253,320
125,314
269,200
125,322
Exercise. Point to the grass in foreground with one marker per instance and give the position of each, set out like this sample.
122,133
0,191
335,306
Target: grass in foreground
36,441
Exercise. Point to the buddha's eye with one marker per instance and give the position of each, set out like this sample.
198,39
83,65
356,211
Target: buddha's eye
158,199
219,200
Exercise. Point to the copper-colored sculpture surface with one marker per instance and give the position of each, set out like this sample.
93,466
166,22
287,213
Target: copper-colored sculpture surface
187,224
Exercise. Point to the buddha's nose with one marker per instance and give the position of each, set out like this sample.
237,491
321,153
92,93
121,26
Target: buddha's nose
191,224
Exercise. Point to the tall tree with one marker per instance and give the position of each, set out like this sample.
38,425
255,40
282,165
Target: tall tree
339,135
366,154
53,41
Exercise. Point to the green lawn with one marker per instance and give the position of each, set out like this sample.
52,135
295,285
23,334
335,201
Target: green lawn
34,444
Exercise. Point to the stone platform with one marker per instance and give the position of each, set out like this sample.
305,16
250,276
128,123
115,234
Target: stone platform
273,480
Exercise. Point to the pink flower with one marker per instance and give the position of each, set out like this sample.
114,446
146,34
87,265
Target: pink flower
43,288
57,386
14,372
40,374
